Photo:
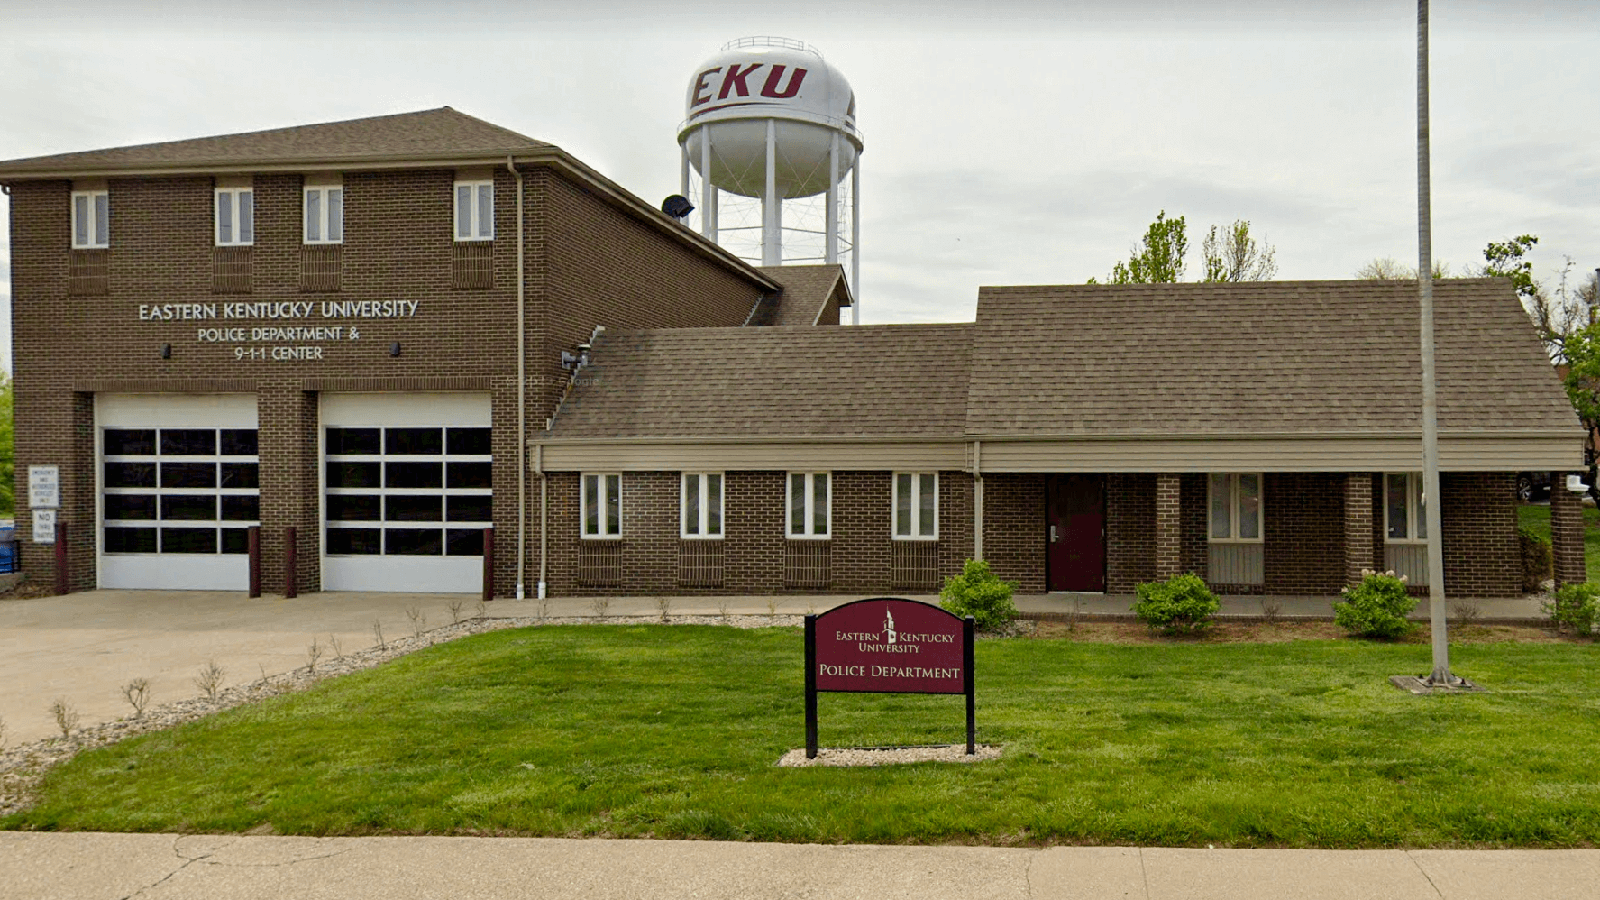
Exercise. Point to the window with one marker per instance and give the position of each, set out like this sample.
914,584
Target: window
90,220
810,515
701,502
235,217
475,210
1235,504
1404,510
602,506
916,506
324,214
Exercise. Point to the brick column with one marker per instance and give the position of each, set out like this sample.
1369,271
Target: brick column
1357,525
1566,532
1169,526
288,447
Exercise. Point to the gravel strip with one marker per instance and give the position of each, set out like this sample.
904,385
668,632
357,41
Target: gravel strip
23,766
887,756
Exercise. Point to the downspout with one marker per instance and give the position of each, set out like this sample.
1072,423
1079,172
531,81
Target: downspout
522,400
977,500
544,516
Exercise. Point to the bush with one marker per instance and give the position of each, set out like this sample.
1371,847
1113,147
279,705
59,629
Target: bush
979,593
1576,606
1535,559
1180,605
1377,607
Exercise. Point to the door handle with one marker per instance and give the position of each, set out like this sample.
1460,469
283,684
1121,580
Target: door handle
1053,536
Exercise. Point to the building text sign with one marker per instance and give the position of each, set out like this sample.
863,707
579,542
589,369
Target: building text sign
887,645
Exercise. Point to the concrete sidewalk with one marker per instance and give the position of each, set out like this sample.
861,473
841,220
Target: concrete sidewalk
37,866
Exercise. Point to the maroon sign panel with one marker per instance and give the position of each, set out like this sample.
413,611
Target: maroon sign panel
890,646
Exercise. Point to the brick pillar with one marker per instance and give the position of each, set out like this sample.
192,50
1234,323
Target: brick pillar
1566,532
288,448
1357,525
1169,526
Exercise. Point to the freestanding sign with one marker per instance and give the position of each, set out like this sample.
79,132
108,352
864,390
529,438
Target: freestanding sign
888,646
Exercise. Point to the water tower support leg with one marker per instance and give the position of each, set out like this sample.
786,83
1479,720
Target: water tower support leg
831,230
855,240
771,210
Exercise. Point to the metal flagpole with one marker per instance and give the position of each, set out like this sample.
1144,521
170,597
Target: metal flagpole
1430,402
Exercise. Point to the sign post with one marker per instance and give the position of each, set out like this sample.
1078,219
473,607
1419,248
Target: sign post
889,645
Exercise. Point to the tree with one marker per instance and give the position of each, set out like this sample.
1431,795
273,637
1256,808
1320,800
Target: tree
1389,269
1161,260
1236,256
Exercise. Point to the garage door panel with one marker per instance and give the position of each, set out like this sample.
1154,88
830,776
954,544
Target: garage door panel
407,491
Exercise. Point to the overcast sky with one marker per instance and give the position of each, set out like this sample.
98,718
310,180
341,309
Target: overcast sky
1006,143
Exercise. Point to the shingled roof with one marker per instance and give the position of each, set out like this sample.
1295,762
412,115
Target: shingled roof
877,381
432,135
1280,357
807,293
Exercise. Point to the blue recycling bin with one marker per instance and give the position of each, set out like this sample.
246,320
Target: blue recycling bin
8,550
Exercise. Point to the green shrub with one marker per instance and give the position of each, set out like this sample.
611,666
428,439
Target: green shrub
1377,607
979,593
1576,606
1180,605
1535,559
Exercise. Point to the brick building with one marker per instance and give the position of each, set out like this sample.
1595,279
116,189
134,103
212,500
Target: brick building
351,333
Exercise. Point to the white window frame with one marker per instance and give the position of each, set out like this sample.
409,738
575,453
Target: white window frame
325,194
477,226
914,509
97,210
603,496
808,521
1416,524
236,220
702,521
1233,508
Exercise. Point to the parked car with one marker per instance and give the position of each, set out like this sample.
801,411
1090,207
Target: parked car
1533,485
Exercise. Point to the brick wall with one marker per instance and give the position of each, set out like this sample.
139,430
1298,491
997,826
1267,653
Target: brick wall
587,263
754,544
1303,536
1013,529
1130,531
1482,557
1566,533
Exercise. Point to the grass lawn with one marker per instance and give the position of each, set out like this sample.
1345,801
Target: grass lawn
1537,518
637,730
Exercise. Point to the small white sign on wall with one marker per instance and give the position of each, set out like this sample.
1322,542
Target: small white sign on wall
44,526
44,487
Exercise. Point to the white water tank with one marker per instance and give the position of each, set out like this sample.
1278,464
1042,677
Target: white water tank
756,81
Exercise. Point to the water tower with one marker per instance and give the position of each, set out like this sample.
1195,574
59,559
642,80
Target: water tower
770,121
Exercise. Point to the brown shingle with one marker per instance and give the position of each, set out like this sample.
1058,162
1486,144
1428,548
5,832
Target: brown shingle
807,292
433,134
884,380
1256,358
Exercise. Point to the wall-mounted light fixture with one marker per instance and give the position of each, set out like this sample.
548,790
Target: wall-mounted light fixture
394,349
166,351
1575,484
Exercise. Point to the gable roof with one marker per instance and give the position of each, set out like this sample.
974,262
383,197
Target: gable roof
807,293
1307,357
794,382
434,135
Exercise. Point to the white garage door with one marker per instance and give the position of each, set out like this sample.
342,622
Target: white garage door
406,491
179,489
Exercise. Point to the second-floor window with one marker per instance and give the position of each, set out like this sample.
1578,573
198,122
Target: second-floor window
235,217
324,214
474,210
91,211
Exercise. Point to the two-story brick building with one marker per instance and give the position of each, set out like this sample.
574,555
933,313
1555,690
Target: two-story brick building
353,332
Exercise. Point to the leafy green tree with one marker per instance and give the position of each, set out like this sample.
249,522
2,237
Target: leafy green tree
1505,260
1160,261
8,450
1236,256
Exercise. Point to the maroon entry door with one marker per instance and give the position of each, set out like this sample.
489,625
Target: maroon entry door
1075,532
